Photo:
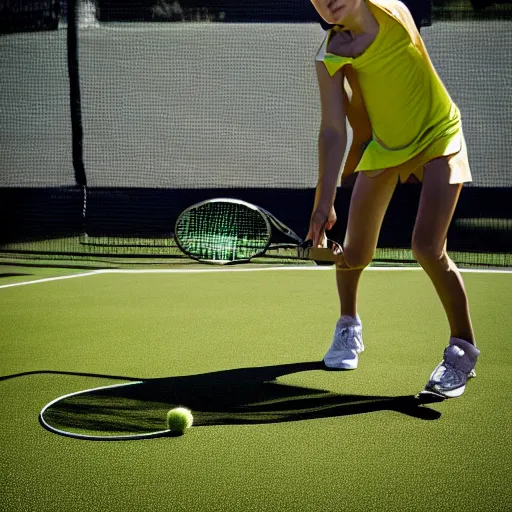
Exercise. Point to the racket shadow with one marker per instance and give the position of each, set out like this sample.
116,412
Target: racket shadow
232,397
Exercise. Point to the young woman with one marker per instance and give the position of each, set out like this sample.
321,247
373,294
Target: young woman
374,71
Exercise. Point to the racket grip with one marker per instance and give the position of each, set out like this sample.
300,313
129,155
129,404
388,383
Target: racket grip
331,253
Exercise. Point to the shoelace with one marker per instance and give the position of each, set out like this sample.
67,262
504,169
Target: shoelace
347,332
450,374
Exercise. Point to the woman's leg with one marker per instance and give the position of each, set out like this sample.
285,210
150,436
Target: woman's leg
437,205
368,205
370,199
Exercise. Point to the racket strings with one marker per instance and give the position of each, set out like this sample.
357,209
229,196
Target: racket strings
222,231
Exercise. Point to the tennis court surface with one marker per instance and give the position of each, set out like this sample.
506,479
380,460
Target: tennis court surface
241,349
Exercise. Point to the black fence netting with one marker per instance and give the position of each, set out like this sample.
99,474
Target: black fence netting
117,115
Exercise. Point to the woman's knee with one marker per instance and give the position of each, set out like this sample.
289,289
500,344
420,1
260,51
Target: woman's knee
354,258
427,251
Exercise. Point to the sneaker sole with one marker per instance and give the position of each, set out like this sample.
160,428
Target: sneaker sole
429,397
454,393
342,367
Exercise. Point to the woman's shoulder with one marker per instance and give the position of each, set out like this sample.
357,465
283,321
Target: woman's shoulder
397,10
394,8
389,4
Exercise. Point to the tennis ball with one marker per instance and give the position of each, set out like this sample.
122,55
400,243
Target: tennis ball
179,418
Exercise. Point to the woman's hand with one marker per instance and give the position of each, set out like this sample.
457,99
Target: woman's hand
321,220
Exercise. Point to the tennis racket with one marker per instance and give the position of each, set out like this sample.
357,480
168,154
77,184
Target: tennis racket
228,230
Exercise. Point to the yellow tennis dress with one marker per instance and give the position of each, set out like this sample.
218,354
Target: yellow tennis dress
411,118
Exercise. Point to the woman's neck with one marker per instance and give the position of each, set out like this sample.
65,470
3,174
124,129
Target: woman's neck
361,21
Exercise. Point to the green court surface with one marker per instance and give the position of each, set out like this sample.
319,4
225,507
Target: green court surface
273,431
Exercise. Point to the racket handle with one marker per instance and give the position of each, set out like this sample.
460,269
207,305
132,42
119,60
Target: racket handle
331,253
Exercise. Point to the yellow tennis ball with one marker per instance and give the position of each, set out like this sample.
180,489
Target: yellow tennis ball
179,418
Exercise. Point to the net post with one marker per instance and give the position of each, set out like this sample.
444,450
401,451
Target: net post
75,102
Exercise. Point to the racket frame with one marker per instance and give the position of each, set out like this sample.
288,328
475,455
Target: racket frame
250,206
305,250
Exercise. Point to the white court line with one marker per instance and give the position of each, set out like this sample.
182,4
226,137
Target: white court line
232,269
47,279
210,270
256,269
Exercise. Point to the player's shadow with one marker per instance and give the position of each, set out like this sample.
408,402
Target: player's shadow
230,397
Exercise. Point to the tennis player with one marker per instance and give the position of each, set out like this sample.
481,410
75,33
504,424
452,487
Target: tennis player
374,71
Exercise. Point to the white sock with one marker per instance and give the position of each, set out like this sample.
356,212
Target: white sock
468,348
349,320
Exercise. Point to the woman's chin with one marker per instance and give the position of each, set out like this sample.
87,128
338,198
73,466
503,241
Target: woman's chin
334,20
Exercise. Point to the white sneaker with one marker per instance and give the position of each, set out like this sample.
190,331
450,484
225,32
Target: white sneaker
346,344
458,365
